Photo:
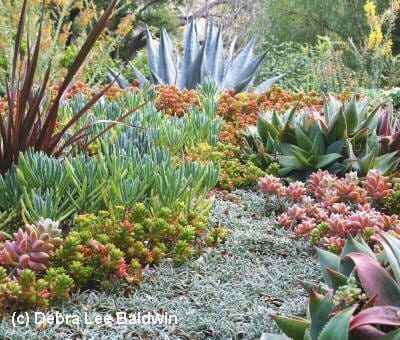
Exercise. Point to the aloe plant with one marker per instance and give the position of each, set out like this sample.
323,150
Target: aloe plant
200,63
365,306
388,130
369,158
342,138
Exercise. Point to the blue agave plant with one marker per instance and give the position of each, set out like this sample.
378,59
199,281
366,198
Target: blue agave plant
201,62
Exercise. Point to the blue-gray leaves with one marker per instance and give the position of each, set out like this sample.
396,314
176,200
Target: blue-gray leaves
201,62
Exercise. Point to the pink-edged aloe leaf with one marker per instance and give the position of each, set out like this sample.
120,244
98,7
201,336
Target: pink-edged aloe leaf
367,332
338,326
353,245
391,245
380,315
376,280
294,327
320,308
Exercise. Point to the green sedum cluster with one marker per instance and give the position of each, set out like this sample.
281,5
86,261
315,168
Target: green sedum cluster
99,250
236,170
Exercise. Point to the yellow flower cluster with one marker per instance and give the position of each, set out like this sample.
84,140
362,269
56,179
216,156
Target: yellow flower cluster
376,38
126,25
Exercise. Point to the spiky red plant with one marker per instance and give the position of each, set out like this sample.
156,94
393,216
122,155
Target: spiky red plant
31,120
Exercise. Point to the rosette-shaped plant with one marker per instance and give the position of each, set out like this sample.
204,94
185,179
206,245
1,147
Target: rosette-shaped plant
349,192
295,192
377,186
31,248
271,185
200,63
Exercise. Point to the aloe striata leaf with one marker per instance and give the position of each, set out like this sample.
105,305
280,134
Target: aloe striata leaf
338,326
293,327
376,281
380,315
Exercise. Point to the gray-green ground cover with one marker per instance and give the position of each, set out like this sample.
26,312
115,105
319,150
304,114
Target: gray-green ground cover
225,293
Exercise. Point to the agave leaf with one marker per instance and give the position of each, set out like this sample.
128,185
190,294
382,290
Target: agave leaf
370,122
376,280
365,163
152,52
300,156
196,70
353,245
293,327
302,139
336,147
191,51
338,326
267,84
239,63
167,70
276,120
336,279
351,115
380,315
247,73
243,84
120,80
139,75
387,163
266,129
290,162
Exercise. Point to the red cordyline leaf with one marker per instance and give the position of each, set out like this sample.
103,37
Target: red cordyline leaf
380,315
376,281
26,126
44,139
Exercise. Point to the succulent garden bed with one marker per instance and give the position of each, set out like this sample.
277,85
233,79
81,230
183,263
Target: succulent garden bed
225,292
191,196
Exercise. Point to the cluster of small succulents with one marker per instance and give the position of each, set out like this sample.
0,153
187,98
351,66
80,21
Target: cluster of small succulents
27,277
175,102
39,267
328,209
236,170
242,109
